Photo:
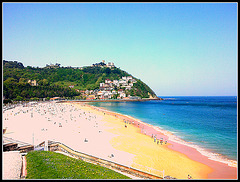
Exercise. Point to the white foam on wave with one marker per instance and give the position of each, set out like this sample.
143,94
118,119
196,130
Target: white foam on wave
210,155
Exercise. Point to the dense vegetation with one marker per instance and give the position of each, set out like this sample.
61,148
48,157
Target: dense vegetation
51,165
55,82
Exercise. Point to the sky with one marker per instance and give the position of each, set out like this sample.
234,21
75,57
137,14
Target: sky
178,49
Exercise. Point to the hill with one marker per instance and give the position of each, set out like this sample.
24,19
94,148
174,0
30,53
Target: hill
99,81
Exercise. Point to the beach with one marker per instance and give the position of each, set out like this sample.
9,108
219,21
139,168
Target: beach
112,136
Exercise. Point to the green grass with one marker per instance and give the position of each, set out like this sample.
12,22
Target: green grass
51,165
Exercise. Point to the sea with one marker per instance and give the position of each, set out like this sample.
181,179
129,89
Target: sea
207,123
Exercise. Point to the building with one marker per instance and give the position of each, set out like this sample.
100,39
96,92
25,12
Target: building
115,82
71,86
122,81
121,93
134,81
134,97
110,65
129,78
128,87
108,81
101,64
114,92
33,82
91,97
55,98
53,66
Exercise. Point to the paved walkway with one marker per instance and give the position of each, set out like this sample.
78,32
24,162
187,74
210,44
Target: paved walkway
12,165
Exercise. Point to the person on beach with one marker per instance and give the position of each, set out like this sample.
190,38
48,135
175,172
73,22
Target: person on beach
161,141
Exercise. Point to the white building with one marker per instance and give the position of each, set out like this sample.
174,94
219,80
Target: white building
122,81
128,87
33,82
114,92
129,78
134,81
122,94
110,65
115,82
108,81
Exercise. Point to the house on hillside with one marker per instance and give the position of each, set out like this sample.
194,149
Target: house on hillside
122,81
33,82
108,81
128,87
121,93
129,78
53,66
101,64
55,99
110,65
116,82
130,84
91,97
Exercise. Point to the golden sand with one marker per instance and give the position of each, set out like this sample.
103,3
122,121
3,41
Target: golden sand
150,156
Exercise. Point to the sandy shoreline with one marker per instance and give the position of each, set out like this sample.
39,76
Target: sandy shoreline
106,134
219,170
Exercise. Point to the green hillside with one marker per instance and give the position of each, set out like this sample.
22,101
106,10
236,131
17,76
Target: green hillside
55,82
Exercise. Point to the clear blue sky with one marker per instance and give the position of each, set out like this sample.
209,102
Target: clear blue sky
178,49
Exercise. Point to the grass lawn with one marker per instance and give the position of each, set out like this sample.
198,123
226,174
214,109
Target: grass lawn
51,165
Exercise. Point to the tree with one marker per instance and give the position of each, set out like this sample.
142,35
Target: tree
19,98
108,71
22,81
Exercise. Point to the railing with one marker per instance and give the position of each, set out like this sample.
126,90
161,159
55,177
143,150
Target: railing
10,144
57,146
10,140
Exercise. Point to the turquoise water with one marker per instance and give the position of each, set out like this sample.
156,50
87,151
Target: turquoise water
208,122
